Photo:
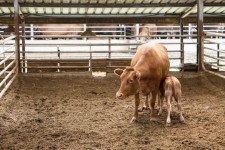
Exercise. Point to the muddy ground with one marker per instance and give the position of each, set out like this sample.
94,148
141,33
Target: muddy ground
81,112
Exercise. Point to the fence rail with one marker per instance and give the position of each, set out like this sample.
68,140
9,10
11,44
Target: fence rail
93,53
214,57
8,65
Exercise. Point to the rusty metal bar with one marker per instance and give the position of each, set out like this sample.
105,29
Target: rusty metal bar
58,63
17,40
218,55
200,35
23,45
110,52
182,45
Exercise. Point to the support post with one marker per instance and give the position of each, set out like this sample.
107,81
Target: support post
109,57
17,40
218,56
182,45
200,35
23,48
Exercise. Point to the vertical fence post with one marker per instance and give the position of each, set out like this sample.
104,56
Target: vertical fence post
109,55
182,45
17,40
32,31
218,56
200,35
58,63
23,48
90,60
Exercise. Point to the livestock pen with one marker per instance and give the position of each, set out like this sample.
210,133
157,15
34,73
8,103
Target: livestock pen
49,107
51,97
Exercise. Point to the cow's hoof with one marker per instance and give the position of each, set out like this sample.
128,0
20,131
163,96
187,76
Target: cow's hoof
160,113
140,109
133,120
152,119
145,108
168,124
182,119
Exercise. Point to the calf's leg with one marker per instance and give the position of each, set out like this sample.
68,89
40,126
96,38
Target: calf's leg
168,120
178,99
160,104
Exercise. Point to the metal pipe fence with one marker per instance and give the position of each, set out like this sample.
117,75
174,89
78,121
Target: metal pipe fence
214,56
92,54
8,65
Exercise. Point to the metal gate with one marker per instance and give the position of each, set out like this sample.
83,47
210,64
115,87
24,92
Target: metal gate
7,63
214,54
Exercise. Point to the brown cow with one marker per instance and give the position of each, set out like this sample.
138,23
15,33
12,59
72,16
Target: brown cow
148,67
170,88
59,29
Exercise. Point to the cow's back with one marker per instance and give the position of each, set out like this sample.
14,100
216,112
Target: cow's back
151,60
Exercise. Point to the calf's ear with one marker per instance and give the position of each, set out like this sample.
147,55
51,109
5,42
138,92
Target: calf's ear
118,71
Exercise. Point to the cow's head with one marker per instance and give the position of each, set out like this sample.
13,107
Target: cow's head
129,82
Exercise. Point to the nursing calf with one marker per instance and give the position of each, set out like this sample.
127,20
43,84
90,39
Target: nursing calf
170,88
148,67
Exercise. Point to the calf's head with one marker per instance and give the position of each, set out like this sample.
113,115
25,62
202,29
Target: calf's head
129,79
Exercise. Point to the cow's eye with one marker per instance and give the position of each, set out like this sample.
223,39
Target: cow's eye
131,81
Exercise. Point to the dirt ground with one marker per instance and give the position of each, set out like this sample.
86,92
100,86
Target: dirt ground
81,112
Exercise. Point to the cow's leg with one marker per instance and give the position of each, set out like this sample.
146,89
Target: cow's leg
146,103
178,99
137,102
160,104
152,104
168,99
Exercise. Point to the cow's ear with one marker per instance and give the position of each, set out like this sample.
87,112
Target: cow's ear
138,75
118,71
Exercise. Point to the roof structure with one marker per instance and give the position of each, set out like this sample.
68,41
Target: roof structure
112,11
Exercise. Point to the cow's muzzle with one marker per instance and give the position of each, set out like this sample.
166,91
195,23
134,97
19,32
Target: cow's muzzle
119,95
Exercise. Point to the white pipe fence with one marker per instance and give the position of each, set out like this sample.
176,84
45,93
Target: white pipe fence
8,65
214,54
94,53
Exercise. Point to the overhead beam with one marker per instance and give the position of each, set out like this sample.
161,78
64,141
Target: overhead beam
189,11
113,20
97,5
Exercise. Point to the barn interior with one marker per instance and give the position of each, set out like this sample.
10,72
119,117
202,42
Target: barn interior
189,17
23,23
51,49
